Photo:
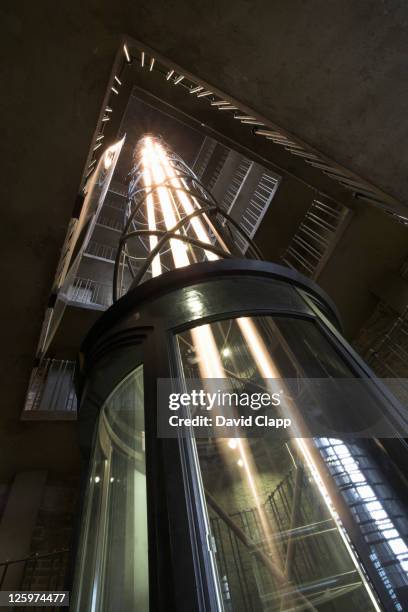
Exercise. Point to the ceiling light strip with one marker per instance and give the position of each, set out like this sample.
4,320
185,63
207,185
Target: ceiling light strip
276,136
126,52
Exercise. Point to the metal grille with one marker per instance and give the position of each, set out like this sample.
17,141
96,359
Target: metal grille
110,223
257,207
117,188
115,205
315,237
88,291
101,251
52,387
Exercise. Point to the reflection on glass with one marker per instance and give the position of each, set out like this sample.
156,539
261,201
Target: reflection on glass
278,542
112,573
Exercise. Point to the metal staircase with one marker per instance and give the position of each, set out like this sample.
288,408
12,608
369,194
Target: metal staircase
303,538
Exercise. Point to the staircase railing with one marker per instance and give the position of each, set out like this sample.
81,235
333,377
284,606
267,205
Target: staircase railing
51,388
300,570
316,237
36,572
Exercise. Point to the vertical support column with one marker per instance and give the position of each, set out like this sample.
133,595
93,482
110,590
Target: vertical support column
18,522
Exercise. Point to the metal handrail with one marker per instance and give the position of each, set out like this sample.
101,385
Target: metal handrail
56,377
89,291
102,251
35,557
315,237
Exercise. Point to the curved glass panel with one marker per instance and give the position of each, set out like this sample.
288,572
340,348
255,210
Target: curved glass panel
279,541
112,573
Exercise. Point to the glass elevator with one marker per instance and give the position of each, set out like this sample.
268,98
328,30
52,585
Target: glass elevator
311,522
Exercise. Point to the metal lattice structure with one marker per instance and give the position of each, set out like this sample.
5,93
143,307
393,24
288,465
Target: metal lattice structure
171,219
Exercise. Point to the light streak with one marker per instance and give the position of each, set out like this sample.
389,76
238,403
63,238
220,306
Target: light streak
151,219
269,370
185,201
126,52
178,248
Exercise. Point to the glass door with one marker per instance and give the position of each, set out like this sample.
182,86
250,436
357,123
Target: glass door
278,540
112,572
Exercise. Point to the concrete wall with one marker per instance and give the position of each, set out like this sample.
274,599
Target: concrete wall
371,248
18,521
